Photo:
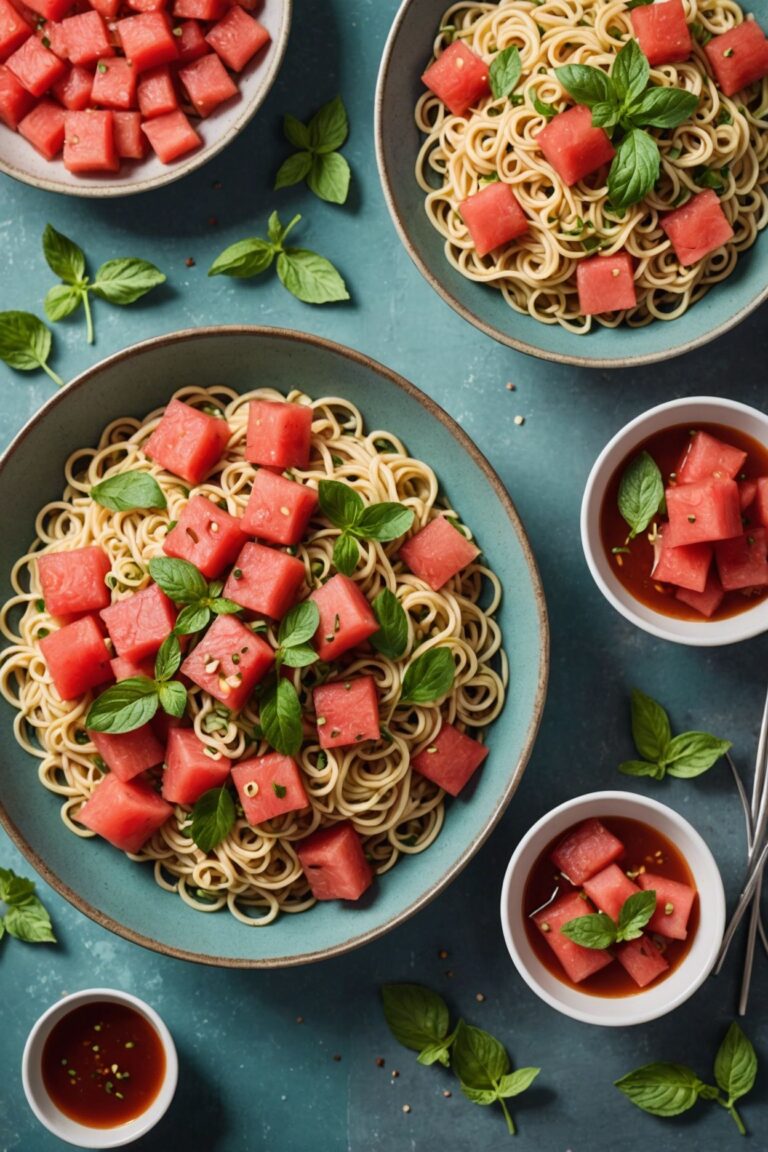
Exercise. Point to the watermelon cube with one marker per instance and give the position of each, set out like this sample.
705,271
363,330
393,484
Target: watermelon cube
146,5
86,37
73,582
49,9
706,602
155,92
126,813
579,963
586,850
229,662
697,228
191,767
458,77
14,29
138,625
207,83
761,500
15,101
573,147
739,56
76,657
206,536
187,442
89,141
347,712
43,127
74,89
191,41
114,85
493,216
606,284
346,617
641,958
278,510
130,141
35,66
704,511
278,434
269,786
674,902
437,552
129,753
200,9
147,40
107,8
237,38
742,562
662,32
610,889
54,36
707,457
264,580
450,759
334,863
125,669
686,566
747,494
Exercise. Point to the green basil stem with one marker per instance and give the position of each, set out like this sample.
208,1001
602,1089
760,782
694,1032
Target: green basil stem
88,318
510,1122
730,1108
53,375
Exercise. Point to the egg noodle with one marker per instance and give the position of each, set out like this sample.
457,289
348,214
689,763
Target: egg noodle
255,872
724,145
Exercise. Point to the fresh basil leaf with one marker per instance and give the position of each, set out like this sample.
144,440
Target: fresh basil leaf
293,170
428,678
692,753
309,277
663,108
637,4
30,922
299,625
299,657
124,706
392,638
642,768
543,109
173,697
417,1017
634,169
635,913
605,115
587,85
61,301
192,618
383,521
735,1064
179,579
593,931
14,889
481,1096
295,131
630,72
25,343
126,280
280,718
212,818
516,1082
641,490
651,731
346,553
339,503
505,71
661,1089
479,1059
129,490
63,256
275,230
168,658
220,606
329,176
710,178
244,259
329,127
438,1053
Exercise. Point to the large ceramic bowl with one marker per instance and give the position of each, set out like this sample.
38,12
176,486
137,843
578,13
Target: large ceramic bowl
398,141
19,159
102,882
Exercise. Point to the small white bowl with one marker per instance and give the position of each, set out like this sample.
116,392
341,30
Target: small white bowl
693,411
55,1120
658,999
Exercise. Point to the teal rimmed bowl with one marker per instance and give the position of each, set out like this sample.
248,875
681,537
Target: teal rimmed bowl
121,895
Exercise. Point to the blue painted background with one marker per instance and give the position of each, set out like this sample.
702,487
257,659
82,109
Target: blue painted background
252,1078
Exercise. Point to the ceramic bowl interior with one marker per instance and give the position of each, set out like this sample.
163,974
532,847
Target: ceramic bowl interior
58,1122
398,142
19,159
123,895
692,411
657,999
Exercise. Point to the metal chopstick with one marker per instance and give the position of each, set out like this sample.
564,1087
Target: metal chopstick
753,877
749,824
759,808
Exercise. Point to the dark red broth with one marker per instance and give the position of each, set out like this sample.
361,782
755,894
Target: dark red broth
645,848
103,1064
633,569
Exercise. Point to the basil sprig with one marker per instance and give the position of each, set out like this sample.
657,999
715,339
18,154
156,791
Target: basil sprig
641,493
184,584
670,1089
685,756
131,703
25,344
296,630
128,490
318,160
392,637
25,916
280,714
419,1019
601,931
427,678
212,818
345,509
505,72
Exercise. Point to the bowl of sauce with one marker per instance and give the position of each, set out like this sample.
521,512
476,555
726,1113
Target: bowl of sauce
99,1068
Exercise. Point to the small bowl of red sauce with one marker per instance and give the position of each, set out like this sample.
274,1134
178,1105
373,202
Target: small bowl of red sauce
613,909
674,521
99,1068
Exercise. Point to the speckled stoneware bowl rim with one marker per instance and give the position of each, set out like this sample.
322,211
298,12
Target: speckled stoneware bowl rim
401,226
434,410
174,171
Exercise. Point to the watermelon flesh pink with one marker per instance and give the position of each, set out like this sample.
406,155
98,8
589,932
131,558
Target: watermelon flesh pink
739,56
237,38
191,767
493,217
577,962
586,850
437,552
278,509
207,83
89,141
206,536
706,511
265,580
334,863
706,602
761,500
278,434
269,786
708,458
743,562
459,78
697,228
347,712
609,889
642,960
662,32
606,284
229,662
76,657
450,759
346,617
126,813
73,582
573,147
129,753
171,136
138,625
187,442
674,902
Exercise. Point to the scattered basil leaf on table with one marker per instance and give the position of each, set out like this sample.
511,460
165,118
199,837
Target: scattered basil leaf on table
505,72
392,638
212,818
427,678
318,162
128,490
25,918
419,1019
641,492
601,931
684,756
25,344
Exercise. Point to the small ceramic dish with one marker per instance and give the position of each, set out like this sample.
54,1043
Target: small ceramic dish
692,411
659,998
43,1106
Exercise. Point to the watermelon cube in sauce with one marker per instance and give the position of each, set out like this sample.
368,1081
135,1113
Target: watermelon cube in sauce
697,228
662,32
674,902
191,767
747,494
73,582
191,41
74,89
706,602
206,536
278,509
606,284
86,37
347,712
207,83
200,9
237,38
438,552
578,962
278,434
493,217
14,29
572,146
49,9
35,66
687,566
89,141
742,562
108,8
265,580
147,40
346,617
54,36
138,624
211,665
155,92
586,850
126,813
130,141
269,786
450,759
114,85
458,77
738,57
43,127
705,511
334,863
15,101
642,960
76,657
129,753
706,458
187,442
609,889
761,500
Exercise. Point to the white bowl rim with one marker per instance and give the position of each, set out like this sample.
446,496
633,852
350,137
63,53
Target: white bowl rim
700,634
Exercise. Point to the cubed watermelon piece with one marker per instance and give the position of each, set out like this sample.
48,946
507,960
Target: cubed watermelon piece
76,657
74,89
706,602
572,146
191,767
347,712
609,889
14,29
130,141
578,962
155,92
114,85
346,617
706,457
138,625
458,77
146,5
641,958
126,813
200,9
207,83
15,101
450,759
697,228
237,37
686,566
269,786
125,669
662,31
212,667
705,511
747,494
437,552
278,509
493,216
73,581
187,442
739,56
265,580
334,863
206,536
606,284
586,850
761,500
147,40
108,8
674,902
35,66
191,41
50,9
89,141
43,127
129,753
742,562
278,434
54,36
87,38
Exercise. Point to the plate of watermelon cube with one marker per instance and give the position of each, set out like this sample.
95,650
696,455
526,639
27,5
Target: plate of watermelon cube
112,97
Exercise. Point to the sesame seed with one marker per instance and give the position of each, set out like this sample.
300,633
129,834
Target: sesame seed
406,1107
214,527
615,272
336,1057
545,927
285,511
251,788
299,1019
669,908
210,664
519,420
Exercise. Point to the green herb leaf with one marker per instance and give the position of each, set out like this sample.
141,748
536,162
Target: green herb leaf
587,85
543,109
329,127
124,706
417,1017
663,107
30,922
63,256
605,115
428,678
293,170
384,521
296,132
594,931
630,72
328,177
125,280
61,301
481,1096
220,606
275,230
339,503
129,490
642,768
641,491
192,618
479,1059
309,277
299,625
179,579
505,71
735,1064
637,4
661,1089
280,718
634,169
168,658
651,731
25,343
635,913
346,554
213,817
14,889
516,1082
692,753
392,638
299,657
172,696
243,259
